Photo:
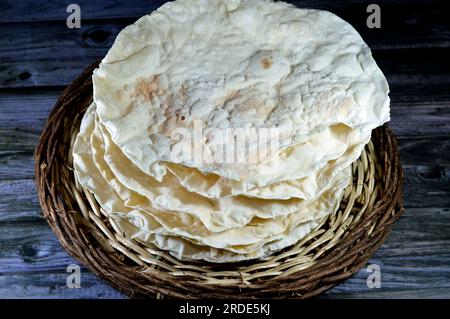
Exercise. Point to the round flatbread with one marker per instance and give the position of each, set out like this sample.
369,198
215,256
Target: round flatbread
236,65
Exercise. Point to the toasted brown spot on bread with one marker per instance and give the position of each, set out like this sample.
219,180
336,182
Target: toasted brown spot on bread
227,98
146,88
266,63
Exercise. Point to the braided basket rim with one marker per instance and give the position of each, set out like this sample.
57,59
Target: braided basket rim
337,249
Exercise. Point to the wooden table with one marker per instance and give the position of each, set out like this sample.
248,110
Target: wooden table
39,56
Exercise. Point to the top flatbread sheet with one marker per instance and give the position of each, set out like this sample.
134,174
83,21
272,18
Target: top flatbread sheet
236,64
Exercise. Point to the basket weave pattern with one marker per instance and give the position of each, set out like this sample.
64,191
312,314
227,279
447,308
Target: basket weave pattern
334,251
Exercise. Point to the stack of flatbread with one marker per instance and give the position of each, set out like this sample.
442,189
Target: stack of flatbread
225,130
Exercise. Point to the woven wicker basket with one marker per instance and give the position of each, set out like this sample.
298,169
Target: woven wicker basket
334,251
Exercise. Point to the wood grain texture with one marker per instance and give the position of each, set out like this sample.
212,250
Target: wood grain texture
31,58
39,56
399,17
426,165
55,10
424,185
411,261
28,109
52,284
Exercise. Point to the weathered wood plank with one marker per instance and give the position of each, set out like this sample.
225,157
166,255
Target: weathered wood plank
413,262
407,293
16,166
18,141
49,54
52,285
19,202
41,39
398,17
420,118
426,166
426,150
26,108
424,186
427,185
414,118
30,246
29,10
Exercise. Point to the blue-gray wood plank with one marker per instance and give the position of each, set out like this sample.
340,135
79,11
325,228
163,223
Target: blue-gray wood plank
39,56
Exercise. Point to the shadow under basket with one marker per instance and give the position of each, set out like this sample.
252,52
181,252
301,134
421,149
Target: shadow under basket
334,251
